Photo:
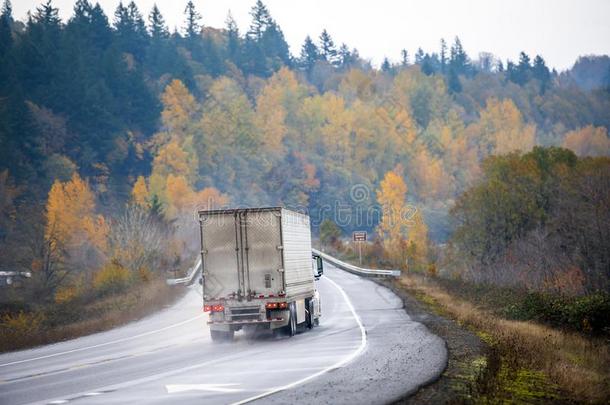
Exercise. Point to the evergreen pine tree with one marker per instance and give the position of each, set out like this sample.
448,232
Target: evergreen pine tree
541,73
192,28
443,59
523,70
404,58
6,21
454,84
158,28
419,56
500,66
232,37
261,19
345,56
386,66
309,55
327,47
458,58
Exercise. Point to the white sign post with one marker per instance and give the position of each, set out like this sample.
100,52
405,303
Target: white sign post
359,236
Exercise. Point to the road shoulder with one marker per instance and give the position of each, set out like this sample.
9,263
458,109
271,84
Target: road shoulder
465,351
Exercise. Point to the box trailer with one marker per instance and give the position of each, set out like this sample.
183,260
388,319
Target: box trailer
258,271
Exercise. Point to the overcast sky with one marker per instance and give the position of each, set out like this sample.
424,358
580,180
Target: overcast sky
559,30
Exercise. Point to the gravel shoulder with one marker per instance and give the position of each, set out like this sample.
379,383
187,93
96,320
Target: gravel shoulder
465,351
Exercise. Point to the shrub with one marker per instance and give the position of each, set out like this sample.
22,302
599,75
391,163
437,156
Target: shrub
589,313
21,325
112,278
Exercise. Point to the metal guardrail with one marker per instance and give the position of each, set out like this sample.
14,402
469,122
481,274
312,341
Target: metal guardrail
355,269
196,269
188,280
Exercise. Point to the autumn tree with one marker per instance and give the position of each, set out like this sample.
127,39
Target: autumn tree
417,241
179,108
501,129
139,193
588,141
393,228
75,235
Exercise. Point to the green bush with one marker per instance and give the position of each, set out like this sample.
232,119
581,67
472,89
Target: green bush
589,313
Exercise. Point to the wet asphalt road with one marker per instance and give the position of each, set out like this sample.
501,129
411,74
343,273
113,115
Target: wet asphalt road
366,350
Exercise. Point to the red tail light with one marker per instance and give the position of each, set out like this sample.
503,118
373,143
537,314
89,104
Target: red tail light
276,305
213,308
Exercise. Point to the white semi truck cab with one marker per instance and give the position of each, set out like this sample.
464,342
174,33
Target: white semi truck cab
258,271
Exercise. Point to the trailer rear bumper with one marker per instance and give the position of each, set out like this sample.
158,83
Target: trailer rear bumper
246,321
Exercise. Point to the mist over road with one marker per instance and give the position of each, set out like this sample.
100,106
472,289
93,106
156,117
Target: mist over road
366,350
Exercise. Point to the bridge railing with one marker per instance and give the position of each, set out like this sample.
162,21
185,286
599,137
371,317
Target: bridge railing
355,269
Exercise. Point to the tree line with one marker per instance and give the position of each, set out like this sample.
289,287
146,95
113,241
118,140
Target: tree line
125,124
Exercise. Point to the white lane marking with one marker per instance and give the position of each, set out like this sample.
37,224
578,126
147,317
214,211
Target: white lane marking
92,394
335,366
158,376
58,402
103,344
226,388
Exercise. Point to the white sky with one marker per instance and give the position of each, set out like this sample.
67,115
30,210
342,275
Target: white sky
559,30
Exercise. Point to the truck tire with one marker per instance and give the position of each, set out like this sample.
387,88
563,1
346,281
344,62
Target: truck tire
292,322
309,316
221,336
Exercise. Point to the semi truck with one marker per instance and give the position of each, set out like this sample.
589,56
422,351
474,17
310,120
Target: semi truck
258,271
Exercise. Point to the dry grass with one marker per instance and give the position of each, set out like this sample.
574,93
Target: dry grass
98,316
578,366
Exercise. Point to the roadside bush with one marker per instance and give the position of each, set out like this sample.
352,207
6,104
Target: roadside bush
112,278
589,313
19,326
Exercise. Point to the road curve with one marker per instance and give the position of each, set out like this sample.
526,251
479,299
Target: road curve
366,350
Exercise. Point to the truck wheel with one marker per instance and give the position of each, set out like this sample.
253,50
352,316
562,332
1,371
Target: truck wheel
292,324
221,336
310,315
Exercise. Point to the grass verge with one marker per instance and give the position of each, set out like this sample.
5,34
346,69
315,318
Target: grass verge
525,362
63,322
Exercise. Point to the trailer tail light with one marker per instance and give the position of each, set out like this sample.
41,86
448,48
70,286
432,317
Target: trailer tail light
213,308
276,305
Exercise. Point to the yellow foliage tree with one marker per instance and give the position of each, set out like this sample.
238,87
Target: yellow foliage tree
179,107
271,111
394,221
501,129
139,193
431,181
417,241
172,159
182,199
71,220
588,141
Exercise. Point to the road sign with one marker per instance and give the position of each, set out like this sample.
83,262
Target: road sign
359,236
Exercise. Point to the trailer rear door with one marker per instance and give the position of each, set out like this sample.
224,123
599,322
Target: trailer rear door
242,253
262,243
